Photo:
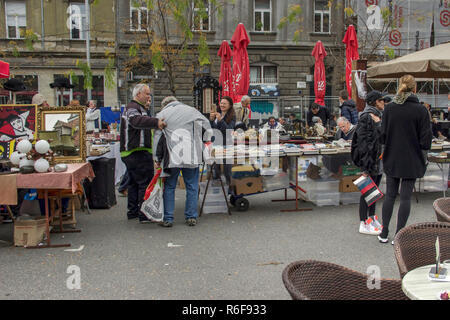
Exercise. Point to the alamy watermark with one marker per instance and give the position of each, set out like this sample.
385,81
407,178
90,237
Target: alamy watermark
73,282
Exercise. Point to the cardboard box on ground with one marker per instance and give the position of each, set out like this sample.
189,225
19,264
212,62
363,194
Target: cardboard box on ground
346,184
29,232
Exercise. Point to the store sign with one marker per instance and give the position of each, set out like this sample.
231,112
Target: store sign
301,84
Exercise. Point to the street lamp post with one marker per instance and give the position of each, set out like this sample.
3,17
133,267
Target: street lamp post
88,42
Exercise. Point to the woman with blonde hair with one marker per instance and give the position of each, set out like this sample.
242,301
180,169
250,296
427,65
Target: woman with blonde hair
406,136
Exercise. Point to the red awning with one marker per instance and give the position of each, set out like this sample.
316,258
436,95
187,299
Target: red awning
4,69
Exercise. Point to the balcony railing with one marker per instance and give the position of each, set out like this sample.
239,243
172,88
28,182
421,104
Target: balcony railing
264,81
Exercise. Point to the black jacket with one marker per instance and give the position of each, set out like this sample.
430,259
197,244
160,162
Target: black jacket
223,126
162,154
406,135
348,110
323,114
135,128
366,143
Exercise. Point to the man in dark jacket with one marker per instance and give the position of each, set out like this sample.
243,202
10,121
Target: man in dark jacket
317,110
136,148
348,107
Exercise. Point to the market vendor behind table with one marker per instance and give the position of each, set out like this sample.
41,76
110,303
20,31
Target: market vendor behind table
317,110
136,147
346,129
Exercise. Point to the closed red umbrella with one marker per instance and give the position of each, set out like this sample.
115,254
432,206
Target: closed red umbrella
319,54
241,65
4,69
351,53
226,74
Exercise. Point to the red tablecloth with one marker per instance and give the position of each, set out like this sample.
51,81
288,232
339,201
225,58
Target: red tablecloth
56,180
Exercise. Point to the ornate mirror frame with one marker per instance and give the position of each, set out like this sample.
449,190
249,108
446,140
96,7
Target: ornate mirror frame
81,111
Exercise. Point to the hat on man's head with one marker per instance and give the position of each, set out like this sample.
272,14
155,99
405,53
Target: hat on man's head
38,99
375,95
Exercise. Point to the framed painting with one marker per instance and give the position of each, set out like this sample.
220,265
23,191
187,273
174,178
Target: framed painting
17,122
65,129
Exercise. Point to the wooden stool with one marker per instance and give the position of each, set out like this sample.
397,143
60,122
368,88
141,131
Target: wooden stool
67,218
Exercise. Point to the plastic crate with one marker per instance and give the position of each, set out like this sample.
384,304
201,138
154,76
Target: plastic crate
322,185
215,207
350,197
325,199
278,181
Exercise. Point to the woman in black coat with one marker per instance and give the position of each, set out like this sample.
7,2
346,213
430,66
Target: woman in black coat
224,121
366,152
406,135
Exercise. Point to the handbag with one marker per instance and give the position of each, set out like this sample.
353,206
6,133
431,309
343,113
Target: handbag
153,205
368,189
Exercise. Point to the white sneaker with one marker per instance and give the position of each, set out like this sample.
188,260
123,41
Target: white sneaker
368,228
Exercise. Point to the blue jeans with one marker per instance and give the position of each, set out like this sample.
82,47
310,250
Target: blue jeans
190,177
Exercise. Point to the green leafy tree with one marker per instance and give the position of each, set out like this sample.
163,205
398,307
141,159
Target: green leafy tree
372,42
168,38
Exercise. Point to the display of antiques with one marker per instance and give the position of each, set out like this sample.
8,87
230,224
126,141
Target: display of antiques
65,129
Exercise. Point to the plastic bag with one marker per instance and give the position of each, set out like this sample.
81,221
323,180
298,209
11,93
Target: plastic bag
153,205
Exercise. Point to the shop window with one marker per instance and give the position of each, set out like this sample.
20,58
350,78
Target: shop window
78,20
201,22
79,93
138,15
263,74
16,19
322,14
22,97
263,15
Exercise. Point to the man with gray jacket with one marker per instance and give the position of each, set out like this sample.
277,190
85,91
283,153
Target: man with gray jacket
179,148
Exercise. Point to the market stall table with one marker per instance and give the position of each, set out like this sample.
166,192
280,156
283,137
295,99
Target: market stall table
113,153
417,286
441,162
291,158
67,180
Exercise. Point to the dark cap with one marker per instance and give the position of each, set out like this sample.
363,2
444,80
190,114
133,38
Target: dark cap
375,95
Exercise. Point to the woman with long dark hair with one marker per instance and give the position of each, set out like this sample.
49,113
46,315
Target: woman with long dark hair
224,121
366,154
406,135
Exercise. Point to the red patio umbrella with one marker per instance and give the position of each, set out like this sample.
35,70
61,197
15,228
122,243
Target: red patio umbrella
4,69
226,74
351,53
241,65
319,54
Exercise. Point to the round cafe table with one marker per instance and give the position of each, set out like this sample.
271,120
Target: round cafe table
417,286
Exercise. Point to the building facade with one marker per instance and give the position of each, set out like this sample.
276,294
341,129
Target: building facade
45,40
281,69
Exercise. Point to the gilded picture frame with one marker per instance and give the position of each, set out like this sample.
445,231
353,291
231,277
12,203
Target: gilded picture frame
65,128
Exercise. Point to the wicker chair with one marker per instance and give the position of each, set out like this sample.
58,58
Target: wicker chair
442,208
414,245
316,280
